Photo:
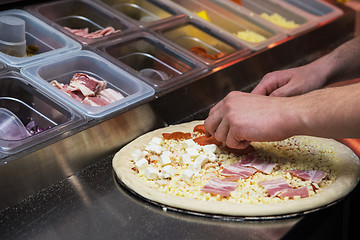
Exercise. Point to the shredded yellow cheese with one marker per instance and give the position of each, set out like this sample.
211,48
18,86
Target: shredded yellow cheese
279,20
250,36
293,153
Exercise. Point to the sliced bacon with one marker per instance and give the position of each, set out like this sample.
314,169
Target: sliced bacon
255,162
203,140
97,34
89,86
95,101
275,186
291,193
110,95
66,89
237,170
217,186
310,175
88,90
176,135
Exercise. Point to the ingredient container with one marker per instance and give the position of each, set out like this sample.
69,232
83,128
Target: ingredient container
290,21
237,24
202,41
143,13
319,11
33,116
42,41
82,16
153,60
63,69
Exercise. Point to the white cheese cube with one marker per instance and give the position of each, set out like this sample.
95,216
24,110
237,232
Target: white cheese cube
165,159
168,171
201,160
192,151
207,149
156,141
211,157
185,159
151,173
195,166
188,143
137,155
141,164
153,148
186,174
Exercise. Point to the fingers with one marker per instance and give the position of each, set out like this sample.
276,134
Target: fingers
212,122
271,82
221,132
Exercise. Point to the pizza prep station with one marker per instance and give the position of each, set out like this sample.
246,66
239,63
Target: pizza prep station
60,184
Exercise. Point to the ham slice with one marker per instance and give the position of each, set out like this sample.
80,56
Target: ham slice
97,34
237,170
291,193
275,186
95,101
88,90
218,186
259,164
89,86
311,175
110,95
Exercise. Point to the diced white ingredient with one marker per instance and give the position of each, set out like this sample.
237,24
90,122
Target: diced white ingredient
201,160
141,164
168,171
165,159
156,141
192,151
195,166
185,158
211,148
211,157
188,143
137,155
186,174
151,173
154,148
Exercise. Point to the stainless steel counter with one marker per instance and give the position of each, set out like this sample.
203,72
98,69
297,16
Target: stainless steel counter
66,188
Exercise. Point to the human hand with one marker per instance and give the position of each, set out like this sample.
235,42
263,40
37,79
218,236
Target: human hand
291,82
241,118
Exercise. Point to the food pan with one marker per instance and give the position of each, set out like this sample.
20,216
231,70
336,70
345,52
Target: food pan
143,13
153,60
289,21
44,116
319,11
81,15
3,67
231,22
202,41
46,41
63,69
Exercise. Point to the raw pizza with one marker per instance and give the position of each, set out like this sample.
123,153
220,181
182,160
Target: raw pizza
179,166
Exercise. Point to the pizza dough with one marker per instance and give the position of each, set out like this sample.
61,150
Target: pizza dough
340,157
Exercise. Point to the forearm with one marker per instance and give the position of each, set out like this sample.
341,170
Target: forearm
341,64
331,112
